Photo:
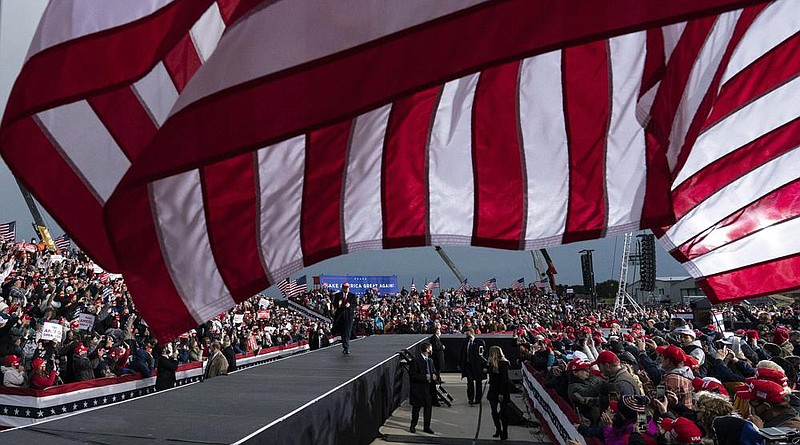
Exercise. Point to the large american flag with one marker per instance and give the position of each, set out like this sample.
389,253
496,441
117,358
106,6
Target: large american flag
8,232
293,288
675,116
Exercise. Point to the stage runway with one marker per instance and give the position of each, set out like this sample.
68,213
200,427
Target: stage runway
296,399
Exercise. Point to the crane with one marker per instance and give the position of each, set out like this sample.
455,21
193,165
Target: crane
450,264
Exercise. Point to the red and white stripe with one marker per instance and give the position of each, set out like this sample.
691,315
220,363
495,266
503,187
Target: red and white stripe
86,128
736,186
395,124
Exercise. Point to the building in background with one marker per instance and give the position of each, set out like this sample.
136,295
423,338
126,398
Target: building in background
674,290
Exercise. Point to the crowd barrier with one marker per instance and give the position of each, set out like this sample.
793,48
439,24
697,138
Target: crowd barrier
25,406
553,412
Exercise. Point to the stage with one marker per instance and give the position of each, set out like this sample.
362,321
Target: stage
319,397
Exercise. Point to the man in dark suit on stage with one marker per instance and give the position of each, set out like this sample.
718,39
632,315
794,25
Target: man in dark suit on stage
344,306
473,363
423,377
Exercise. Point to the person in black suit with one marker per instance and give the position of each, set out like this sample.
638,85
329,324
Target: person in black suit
423,377
499,394
472,366
167,365
344,306
438,351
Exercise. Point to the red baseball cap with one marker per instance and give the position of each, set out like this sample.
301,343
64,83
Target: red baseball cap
577,364
682,430
764,390
11,360
606,358
772,375
672,353
781,336
752,333
709,384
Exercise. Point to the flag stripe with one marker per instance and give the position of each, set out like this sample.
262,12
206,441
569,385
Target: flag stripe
229,191
280,180
157,93
545,142
734,196
773,242
72,128
72,205
782,275
585,74
625,171
732,166
362,213
700,78
775,110
413,60
177,200
143,42
781,204
777,23
126,121
710,100
449,170
496,163
764,75
182,62
404,182
207,31
162,305
321,226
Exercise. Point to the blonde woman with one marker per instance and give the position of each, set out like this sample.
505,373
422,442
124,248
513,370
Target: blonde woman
499,391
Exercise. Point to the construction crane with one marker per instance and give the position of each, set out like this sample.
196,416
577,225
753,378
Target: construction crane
450,264
549,270
38,222
622,293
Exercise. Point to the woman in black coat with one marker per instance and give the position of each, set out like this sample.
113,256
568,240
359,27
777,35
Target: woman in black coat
499,391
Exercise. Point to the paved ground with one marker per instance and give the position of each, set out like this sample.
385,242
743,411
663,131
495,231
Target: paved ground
455,425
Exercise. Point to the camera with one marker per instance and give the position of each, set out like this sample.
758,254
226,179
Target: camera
780,436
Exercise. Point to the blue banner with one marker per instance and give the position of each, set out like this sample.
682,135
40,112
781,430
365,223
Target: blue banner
359,284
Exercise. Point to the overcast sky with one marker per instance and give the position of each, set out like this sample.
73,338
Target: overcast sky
18,20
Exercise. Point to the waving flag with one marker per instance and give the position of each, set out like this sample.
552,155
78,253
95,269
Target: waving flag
62,242
432,285
293,288
676,116
8,232
413,286
518,284
490,284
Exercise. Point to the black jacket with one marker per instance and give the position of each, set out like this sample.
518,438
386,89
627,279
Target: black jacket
230,355
472,359
499,383
420,394
165,379
438,352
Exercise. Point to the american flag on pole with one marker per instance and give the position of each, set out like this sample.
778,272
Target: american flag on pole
541,284
518,284
490,284
413,286
8,232
62,242
293,288
432,285
675,116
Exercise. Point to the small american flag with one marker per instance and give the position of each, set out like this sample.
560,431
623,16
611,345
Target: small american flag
62,242
490,284
432,285
413,286
293,288
541,284
518,284
8,232
463,287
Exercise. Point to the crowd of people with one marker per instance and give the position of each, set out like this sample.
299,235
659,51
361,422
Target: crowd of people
98,332
646,376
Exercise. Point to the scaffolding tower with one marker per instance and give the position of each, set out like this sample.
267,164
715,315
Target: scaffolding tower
623,297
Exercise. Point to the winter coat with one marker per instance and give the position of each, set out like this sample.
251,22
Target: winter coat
12,377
